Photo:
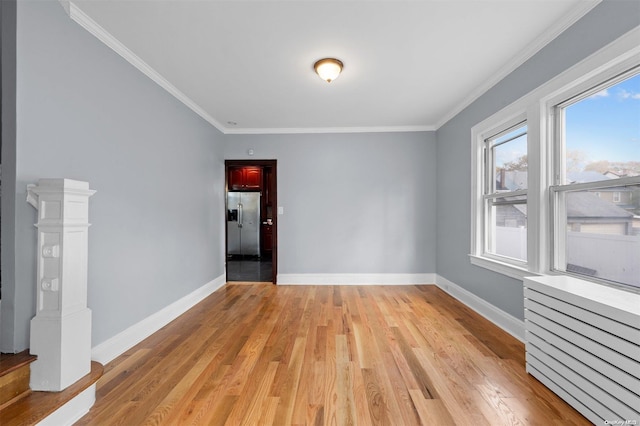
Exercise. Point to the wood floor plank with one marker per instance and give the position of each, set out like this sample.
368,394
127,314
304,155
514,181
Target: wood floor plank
431,411
258,354
407,358
344,400
395,389
118,372
204,404
332,388
251,409
378,407
455,396
289,389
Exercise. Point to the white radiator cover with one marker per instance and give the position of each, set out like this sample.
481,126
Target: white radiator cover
583,342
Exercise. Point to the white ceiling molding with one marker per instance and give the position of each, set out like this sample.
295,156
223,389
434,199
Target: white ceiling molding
303,130
544,39
85,21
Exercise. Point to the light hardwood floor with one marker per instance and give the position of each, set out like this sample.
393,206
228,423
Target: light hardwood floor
322,355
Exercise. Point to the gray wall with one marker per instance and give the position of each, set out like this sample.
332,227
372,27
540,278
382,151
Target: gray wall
602,25
7,244
353,203
157,217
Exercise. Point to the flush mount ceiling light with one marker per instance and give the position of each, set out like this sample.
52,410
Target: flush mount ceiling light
328,69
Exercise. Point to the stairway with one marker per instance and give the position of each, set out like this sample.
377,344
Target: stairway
19,405
14,377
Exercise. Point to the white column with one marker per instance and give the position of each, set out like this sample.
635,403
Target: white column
61,329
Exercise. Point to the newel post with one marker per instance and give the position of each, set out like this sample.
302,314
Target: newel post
61,329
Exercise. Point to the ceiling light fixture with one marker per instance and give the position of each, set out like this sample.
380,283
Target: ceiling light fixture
328,69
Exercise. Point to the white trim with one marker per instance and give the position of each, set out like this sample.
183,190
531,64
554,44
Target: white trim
355,279
505,321
73,410
304,130
480,174
118,344
85,21
545,38
601,184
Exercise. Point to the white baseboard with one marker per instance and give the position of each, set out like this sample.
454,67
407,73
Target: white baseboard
118,344
73,410
355,279
505,321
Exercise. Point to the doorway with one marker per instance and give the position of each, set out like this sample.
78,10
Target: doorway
251,238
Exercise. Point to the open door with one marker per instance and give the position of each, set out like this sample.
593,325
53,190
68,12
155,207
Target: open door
251,240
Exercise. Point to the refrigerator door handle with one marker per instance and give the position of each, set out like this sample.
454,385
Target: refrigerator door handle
240,215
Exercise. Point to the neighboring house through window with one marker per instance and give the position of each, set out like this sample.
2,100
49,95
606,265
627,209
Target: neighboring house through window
505,195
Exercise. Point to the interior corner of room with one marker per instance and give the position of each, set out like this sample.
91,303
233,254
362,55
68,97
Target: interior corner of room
234,161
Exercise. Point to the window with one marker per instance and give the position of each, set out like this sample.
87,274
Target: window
505,195
501,204
616,197
556,175
597,143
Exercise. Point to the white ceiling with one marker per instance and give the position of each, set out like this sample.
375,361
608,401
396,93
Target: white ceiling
408,65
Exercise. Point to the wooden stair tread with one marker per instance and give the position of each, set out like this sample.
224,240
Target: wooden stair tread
12,362
38,405
15,371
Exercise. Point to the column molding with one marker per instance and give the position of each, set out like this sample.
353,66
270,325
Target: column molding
61,329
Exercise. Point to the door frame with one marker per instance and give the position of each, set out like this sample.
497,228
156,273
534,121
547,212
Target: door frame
273,164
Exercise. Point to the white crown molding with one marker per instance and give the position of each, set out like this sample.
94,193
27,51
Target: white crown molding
121,342
545,38
505,321
355,279
85,21
305,130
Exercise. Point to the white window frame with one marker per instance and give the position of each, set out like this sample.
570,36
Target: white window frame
482,227
537,109
558,188
491,194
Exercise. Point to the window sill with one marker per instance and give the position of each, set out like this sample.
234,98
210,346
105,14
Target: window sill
503,268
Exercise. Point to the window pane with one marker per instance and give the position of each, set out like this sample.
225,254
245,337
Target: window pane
508,223
510,160
603,233
602,134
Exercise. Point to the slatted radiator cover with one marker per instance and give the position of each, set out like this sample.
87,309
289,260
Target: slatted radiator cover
583,342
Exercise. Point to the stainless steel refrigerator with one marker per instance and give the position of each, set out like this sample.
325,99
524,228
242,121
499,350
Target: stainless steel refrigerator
243,223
